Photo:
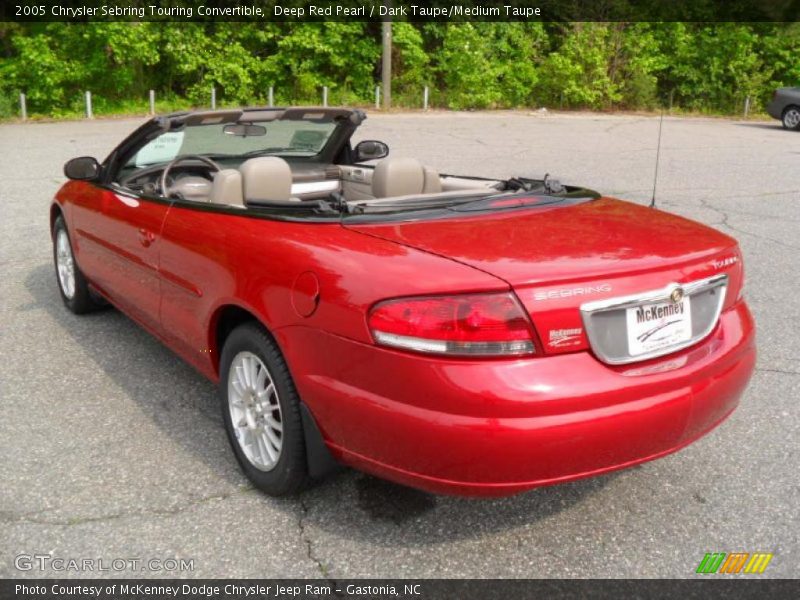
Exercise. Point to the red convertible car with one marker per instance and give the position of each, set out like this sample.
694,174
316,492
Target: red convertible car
457,334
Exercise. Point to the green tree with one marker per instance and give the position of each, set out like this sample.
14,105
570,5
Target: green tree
488,65
702,66
410,63
338,55
578,70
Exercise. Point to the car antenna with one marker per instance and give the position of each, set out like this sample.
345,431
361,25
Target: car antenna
658,156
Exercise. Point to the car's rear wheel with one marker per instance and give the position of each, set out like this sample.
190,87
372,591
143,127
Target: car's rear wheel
791,117
72,284
261,410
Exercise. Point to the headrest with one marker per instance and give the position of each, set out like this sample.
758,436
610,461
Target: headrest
227,188
266,178
398,177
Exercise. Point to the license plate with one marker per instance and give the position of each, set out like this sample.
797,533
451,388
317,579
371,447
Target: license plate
657,326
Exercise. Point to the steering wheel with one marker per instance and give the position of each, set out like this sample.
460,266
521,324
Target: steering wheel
179,159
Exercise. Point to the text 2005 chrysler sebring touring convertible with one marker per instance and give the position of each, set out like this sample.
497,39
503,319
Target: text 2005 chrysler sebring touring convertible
458,334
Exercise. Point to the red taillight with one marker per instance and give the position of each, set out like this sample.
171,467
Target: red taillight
468,325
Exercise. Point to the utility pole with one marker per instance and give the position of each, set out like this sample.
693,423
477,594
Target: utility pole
386,64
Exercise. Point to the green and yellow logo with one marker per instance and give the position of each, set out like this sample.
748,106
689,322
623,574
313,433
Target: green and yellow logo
735,562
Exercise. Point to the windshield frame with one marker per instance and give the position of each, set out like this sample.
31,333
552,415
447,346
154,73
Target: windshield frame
347,122
210,140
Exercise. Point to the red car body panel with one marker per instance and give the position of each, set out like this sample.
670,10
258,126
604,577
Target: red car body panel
499,427
627,247
117,238
451,425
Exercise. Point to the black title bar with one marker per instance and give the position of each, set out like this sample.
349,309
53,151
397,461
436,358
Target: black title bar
404,10
379,589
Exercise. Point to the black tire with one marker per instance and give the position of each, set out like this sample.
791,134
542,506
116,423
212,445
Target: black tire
82,299
290,473
790,119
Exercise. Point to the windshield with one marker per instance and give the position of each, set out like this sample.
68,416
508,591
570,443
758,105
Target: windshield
292,137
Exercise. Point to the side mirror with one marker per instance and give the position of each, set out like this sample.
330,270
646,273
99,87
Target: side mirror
84,168
370,150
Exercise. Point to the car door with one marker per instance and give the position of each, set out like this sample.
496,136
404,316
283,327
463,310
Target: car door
198,268
356,182
119,237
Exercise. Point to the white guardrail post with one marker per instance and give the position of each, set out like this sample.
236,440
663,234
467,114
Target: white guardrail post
325,95
23,107
89,113
152,102
213,98
377,97
425,99
271,97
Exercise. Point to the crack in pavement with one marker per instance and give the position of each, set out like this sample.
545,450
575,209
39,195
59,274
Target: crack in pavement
455,136
704,203
306,539
783,371
32,518
762,194
745,213
725,223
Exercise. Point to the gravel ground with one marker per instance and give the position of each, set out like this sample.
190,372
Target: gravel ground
112,447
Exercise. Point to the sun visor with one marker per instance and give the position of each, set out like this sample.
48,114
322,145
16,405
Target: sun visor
311,113
216,117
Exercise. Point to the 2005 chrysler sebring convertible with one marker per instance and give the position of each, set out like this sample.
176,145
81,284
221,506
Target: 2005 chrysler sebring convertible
457,334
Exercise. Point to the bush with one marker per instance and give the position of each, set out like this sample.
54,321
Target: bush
707,67
9,106
465,66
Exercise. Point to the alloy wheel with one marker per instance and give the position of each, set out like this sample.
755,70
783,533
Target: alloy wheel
65,264
255,411
791,118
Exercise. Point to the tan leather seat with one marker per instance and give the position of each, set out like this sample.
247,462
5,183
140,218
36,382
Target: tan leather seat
403,177
266,178
227,188
433,183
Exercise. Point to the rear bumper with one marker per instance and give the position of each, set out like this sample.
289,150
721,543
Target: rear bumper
500,427
775,109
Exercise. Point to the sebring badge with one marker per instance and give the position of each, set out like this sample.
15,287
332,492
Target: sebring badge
677,295
571,292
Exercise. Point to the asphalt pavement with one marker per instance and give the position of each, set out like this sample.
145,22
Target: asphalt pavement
112,448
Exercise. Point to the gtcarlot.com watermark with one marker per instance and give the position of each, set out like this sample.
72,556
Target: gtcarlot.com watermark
63,564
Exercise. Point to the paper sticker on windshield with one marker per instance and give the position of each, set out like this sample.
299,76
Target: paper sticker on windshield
162,149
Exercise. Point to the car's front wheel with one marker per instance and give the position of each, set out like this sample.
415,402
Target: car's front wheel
261,410
72,284
791,118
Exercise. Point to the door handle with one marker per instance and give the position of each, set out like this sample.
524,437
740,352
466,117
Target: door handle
146,237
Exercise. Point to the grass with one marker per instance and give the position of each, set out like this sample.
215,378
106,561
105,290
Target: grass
9,109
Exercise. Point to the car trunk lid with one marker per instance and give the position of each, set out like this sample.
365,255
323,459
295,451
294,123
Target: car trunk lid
558,259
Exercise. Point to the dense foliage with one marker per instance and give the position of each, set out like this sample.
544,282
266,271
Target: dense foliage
703,67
